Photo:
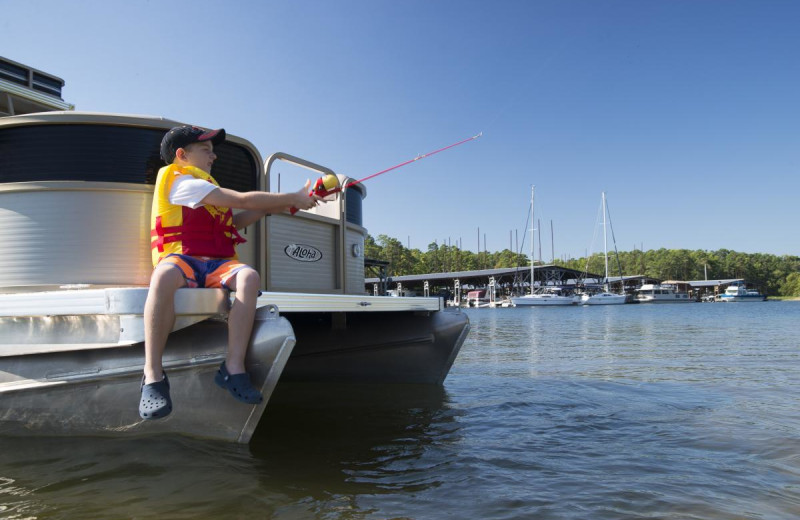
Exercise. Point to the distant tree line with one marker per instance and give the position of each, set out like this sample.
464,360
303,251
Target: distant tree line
439,258
775,275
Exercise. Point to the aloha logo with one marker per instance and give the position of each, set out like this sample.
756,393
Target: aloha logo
303,253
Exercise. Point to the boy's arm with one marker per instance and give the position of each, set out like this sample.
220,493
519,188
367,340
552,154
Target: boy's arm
259,203
247,217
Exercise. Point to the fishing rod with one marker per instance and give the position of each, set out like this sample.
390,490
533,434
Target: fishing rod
329,184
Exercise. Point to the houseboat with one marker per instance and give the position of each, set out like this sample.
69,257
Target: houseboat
76,192
661,293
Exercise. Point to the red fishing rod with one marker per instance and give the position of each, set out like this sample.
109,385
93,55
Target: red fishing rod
329,184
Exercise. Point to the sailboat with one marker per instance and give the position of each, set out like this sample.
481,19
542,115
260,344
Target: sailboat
546,296
605,297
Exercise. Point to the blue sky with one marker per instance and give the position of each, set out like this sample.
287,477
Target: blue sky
686,112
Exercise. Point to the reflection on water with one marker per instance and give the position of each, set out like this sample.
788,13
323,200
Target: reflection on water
319,449
354,438
636,411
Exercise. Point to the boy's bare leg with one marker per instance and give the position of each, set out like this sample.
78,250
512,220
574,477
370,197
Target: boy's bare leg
246,283
159,318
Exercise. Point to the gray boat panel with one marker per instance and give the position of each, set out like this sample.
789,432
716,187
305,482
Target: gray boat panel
57,233
303,254
354,237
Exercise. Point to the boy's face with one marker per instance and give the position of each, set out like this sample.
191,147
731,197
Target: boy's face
200,155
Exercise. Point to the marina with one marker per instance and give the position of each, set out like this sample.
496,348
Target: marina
539,285
557,285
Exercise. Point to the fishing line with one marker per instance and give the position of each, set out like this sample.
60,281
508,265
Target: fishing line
329,184
417,158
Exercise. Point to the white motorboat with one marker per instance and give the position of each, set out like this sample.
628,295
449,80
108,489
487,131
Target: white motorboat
738,292
548,296
661,293
76,265
603,298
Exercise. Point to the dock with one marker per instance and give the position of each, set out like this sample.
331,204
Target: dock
500,282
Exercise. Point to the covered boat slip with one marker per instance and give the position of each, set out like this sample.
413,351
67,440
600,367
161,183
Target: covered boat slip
72,292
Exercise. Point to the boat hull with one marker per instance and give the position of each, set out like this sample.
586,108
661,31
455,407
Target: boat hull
664,300
376,347
95,391
743,298
604,299
527,301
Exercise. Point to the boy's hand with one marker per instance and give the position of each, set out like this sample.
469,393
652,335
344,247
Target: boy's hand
304,199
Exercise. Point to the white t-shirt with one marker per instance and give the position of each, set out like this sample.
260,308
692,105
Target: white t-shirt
189,191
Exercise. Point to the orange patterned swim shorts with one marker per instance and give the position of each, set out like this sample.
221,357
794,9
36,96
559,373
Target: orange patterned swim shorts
201,272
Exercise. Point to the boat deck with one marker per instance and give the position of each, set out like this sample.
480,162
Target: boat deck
130,300
123,308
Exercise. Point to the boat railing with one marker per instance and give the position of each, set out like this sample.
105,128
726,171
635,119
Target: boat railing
334,230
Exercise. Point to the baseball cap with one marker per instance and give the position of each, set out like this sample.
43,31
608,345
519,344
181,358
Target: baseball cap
183,136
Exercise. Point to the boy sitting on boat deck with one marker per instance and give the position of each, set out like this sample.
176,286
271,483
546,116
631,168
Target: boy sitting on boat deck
193,237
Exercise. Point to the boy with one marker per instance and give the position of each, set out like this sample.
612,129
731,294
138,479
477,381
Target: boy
193,234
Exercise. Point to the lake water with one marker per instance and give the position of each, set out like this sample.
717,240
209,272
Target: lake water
638,411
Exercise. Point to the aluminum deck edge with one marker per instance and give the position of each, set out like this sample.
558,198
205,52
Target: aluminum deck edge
195,302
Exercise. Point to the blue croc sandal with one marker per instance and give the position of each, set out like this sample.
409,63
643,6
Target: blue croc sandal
155,402
238,385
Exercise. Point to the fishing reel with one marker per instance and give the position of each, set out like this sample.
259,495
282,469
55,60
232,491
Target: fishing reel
325,187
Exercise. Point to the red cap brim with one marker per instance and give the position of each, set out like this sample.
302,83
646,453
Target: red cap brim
215,136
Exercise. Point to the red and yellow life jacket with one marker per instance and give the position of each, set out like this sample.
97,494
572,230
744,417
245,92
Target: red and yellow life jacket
204,231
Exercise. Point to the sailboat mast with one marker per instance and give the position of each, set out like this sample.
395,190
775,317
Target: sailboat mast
532,192
605,242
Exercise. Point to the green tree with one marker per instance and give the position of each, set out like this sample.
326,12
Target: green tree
791,285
